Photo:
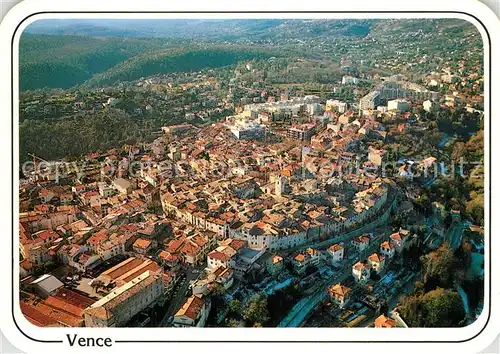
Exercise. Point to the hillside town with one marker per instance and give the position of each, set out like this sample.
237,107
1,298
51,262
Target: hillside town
252,203
285,193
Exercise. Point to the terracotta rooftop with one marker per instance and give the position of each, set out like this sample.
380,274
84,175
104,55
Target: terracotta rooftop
191,308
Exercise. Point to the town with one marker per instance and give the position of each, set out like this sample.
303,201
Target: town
267,206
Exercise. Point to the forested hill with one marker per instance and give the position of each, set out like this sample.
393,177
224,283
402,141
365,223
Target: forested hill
66,61
53,56
176,60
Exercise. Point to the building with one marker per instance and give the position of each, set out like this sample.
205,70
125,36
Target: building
127,270
370,101
46,285
310,257
244,263
142,246
361,272
301,132
398,105
275,264
106,191
123,186
176,129
336,252
339,294
385,322
220,256
430,106
400,239
193,313
245,129
118,307
376,156
360,243
46,195
336,105
387,249
349,80
65,308
376,262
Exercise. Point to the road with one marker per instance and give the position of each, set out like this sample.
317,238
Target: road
454,235
178,296
299,313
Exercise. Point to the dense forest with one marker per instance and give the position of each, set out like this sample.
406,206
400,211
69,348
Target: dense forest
77,136
176,60
66,61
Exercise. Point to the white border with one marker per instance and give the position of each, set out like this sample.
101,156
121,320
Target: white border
28,7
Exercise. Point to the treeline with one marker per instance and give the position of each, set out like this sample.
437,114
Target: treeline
176,60
77,136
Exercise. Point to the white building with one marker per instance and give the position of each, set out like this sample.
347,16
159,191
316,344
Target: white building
349,80
398,105
336,252
124,302
376,262
430,106
387,249
370,101
336,105
361,272
193,313
106,191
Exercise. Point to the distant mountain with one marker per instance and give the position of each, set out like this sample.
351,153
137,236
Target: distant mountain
201,29
66,53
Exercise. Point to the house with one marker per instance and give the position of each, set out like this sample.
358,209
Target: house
361,272
193,313
274,264
387,249
220,256
123,186
142,246
223,276
168,259
385,322
376,262
84,260
66,198
46,195
400,239
305,259
336,252
339,294
376,156
46,285
360,243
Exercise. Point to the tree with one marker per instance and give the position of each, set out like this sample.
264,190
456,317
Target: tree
441,265
235,306
256,310
437,308
442,308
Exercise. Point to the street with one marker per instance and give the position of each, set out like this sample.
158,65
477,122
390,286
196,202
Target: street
178,296
299,313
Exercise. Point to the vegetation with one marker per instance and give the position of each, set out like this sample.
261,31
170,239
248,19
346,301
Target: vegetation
437,308
254,314
76,136
181,60
66,61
